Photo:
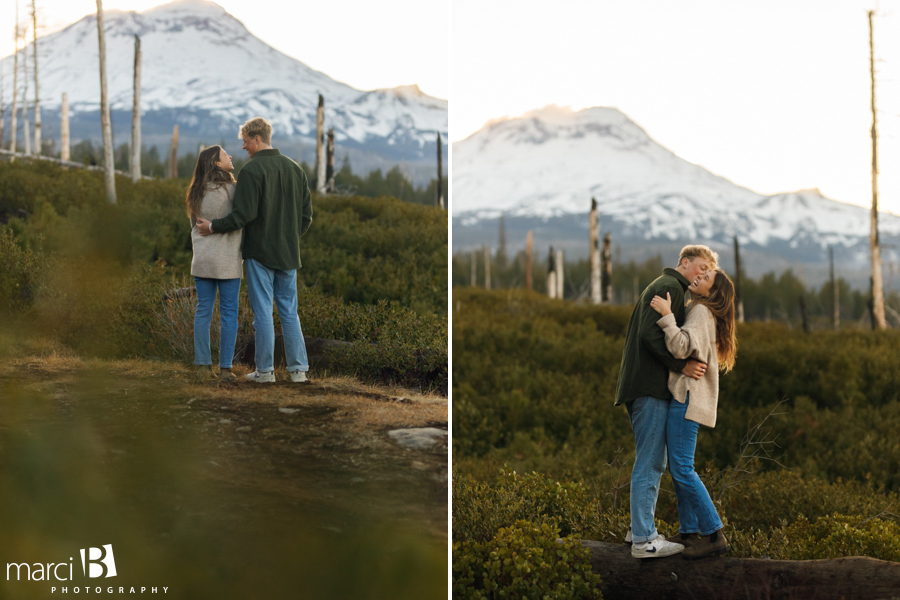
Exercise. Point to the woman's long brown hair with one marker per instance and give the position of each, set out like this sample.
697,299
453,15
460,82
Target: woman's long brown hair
207,175
720,303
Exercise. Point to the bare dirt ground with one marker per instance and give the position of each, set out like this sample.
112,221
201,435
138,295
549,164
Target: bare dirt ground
322,447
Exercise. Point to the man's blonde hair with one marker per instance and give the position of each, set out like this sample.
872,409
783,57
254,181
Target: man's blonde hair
699,251
257,126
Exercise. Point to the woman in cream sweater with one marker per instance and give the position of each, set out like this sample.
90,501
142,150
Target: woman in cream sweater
217,262
708,335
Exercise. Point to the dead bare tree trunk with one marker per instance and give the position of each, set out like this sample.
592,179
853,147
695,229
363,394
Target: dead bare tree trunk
64,128
529,284
13,134
474,268
329,173
877,285
606,278
594,236
173,167
2,111
26,134
320,146
738,282
720,578
105,122
551,275
487,267
136,114
560,264
439,192
836,295
803,317
37,102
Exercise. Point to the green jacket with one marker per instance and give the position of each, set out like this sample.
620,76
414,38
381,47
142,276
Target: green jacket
272,204
646,361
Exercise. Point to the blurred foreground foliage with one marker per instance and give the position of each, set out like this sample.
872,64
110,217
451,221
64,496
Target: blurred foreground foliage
94,276
533,392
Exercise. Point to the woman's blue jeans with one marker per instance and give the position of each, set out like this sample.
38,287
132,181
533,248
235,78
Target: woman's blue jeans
228,289
696,510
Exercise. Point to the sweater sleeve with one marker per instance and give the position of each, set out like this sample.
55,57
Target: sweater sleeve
691,337
246,204
653,338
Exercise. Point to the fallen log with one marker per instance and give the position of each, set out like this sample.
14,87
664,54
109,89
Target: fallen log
720,578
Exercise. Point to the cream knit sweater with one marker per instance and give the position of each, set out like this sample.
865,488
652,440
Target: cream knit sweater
696,339
218,255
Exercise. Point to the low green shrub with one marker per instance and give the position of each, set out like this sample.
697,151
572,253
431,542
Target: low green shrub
525,560
21,271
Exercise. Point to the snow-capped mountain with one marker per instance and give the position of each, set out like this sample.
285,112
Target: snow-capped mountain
551,162
541,170
205,71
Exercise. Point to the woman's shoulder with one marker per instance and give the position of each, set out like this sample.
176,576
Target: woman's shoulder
697,311
220,188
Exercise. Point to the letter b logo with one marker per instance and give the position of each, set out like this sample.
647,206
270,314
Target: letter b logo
99,562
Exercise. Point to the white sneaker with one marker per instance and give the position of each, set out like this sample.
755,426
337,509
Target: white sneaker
261,377
628,536
299,377
655,548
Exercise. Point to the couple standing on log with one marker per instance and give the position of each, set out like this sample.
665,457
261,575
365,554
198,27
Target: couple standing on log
669,383
259,218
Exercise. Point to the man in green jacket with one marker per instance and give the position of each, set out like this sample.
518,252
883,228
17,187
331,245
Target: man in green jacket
272,204
643,389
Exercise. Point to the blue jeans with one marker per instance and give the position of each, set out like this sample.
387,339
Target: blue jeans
265,285
648,417
696,510
228,319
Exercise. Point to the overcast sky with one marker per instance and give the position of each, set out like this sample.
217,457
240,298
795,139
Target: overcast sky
365,44
772,94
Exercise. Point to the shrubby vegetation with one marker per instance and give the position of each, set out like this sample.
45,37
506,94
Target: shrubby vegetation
769,297
93,276
533,392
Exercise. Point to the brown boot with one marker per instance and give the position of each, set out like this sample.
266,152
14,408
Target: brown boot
226,375
688,540
707,545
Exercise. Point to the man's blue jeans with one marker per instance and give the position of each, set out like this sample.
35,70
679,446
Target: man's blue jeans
648,417
696,511
265,285
228,319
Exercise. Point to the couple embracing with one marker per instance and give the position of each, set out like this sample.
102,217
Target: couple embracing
258,218
669,383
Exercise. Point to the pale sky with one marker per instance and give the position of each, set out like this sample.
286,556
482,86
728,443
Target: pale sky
771,94
365,44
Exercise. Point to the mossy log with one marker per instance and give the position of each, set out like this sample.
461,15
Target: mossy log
715,578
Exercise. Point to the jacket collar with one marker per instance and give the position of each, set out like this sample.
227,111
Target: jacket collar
681,278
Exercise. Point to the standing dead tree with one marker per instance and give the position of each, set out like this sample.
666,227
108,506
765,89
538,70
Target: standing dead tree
2,110
13,134
439,190
551,275
173,167
37,102
606,276
105,121
26,133
136,114
64,128
560,264
487,267
594,236
474,265
877,285
329,170
320,146
836,296
529,283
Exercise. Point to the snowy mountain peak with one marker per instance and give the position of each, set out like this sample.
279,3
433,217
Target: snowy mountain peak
550,162
203,69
